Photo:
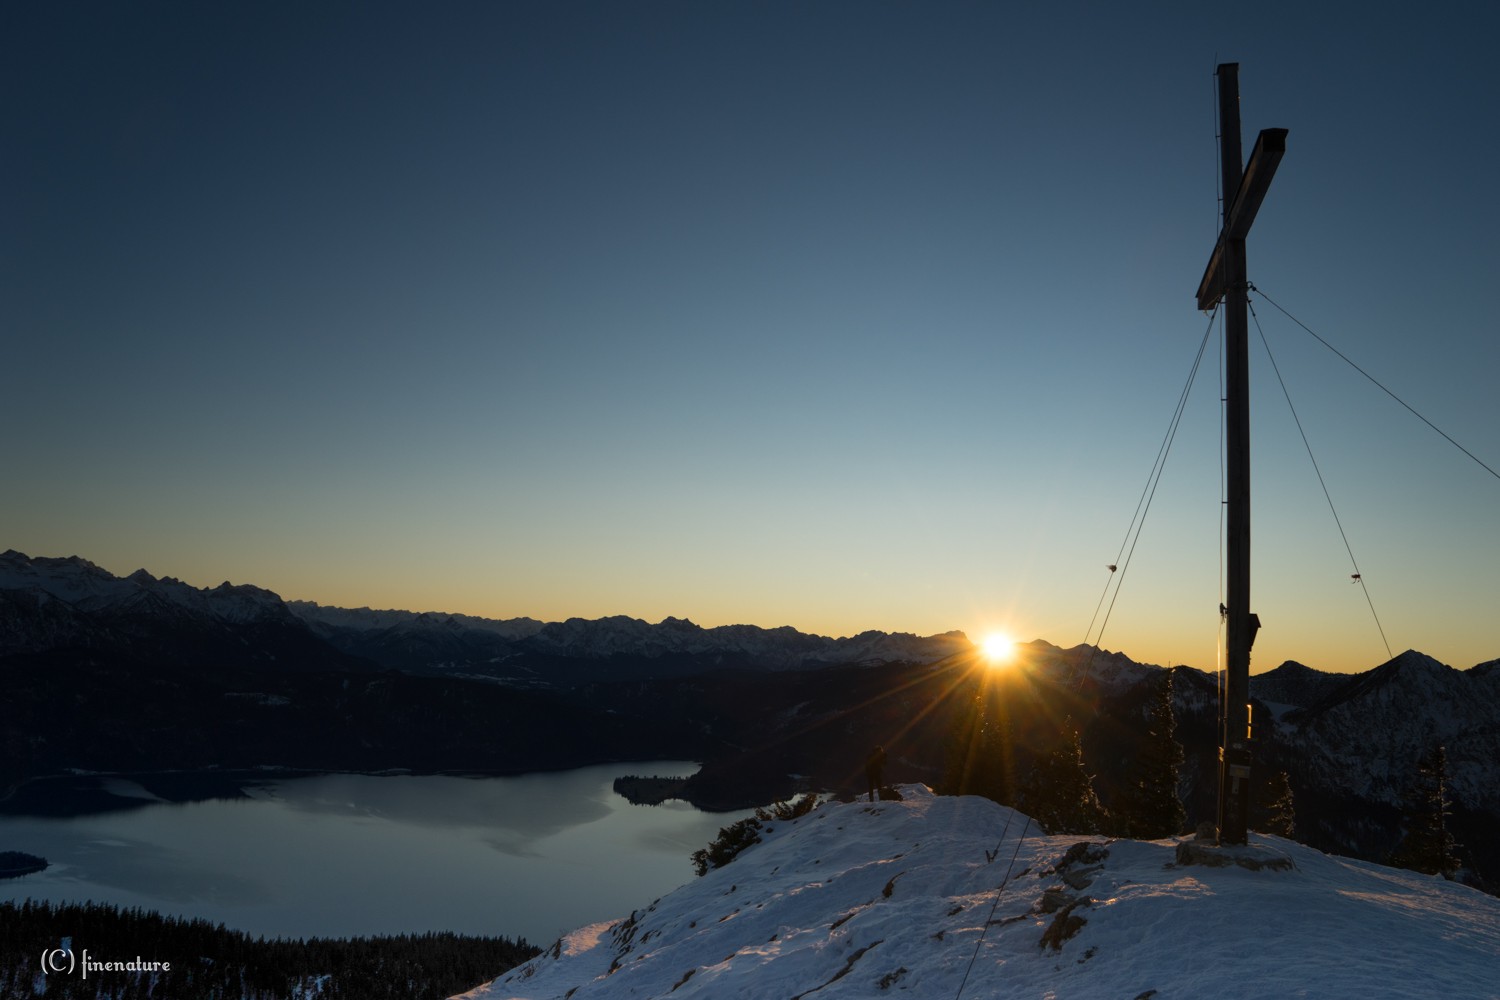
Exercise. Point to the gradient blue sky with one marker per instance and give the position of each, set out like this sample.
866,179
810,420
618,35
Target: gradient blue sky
835,315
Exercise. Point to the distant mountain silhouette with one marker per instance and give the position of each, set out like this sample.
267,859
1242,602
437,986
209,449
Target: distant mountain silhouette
140,674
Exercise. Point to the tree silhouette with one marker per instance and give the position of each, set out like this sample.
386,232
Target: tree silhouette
979,750
1059,793
1275,813
1428,846
229,963
1152,808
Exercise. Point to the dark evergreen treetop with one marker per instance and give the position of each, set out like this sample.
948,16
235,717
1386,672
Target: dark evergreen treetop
1059,794
206,960
1273,811
1428,846
1152,807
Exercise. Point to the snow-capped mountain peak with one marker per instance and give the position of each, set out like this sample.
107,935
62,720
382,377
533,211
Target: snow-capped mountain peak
1371,728
72,579
89,588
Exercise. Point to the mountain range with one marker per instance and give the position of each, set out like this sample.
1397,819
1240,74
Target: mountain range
52,603
140,673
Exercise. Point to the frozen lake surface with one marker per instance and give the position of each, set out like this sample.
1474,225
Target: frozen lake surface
343,855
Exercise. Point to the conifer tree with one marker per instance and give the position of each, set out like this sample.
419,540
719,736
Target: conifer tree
1152,808
1428,846
978,755
1277,815
1059,794
962,746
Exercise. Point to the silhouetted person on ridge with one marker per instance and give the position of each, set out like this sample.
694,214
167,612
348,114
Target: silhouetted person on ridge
874,764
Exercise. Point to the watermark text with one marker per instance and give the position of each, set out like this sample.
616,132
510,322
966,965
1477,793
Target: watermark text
67,962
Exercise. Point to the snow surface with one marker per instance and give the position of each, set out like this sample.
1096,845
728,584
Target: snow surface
898,898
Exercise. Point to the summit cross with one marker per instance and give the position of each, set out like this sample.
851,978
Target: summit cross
1244,189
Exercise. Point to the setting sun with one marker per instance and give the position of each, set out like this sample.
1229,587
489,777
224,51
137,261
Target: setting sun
998,647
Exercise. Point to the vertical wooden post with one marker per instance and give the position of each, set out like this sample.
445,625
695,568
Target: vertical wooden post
1234,749
1245,186
1231,157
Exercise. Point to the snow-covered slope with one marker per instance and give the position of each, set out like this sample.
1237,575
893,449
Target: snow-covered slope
942,897
1368,733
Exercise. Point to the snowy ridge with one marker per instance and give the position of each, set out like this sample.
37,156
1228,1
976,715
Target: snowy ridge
365,619
621,635
59,607
1414,703
616,635
88,588
87,597
1294,684
1103,668
897,898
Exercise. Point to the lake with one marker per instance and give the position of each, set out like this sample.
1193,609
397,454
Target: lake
344,854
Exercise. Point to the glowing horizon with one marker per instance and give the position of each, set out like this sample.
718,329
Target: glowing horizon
809,346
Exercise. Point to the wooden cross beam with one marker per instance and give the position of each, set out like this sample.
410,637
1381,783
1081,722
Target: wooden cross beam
1239,214
1224,278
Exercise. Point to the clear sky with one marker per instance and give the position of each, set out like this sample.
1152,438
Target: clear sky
842,316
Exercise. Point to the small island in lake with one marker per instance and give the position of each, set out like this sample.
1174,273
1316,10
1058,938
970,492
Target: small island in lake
14,864
651,791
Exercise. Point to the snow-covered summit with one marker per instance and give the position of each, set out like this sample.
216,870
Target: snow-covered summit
1106,669
89,588
957,897
1413,702
1295,684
